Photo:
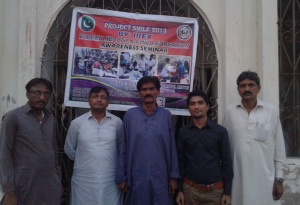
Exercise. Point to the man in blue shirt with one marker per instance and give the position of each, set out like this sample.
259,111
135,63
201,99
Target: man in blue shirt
148,166
204,157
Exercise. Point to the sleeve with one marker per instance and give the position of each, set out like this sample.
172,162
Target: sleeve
120,134
71,140
279,152
8,133
227,168
56,152
224,122
181,159
171,69
121,175
174,170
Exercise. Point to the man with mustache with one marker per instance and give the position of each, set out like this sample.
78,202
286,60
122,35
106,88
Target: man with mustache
257,146
148,167
29,170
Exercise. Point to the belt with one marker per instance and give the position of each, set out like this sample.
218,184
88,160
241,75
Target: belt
209,187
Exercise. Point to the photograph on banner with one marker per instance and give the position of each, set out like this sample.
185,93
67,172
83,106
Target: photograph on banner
95,62
133,65
115,52
174,69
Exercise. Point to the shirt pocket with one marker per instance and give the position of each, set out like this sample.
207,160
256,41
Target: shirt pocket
263,132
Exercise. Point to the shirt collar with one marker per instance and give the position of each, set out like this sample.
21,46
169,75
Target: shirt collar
107,114
28,108
258,104
142,109
209,123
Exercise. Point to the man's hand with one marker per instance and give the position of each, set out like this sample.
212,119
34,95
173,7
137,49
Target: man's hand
172,186
123,187
10,198
180,198
277,190
226,200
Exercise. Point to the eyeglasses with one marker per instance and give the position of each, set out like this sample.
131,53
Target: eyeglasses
38,94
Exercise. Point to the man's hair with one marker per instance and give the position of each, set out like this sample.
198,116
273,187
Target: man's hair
37,81
199,93
148,79
97,89
248,75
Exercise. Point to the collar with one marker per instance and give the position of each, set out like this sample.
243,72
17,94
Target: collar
142,109
209,123
107,114
258,104
28,109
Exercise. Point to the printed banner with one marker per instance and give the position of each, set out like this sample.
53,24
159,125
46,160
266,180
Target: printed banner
115,49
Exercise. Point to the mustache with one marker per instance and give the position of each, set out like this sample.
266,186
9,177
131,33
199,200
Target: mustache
247,92
148,96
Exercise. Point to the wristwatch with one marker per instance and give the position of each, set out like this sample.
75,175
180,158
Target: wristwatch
280,180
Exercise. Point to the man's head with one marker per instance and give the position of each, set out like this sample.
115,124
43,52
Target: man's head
248,75
38,92
98,98
198,104
148,88
248,84
152,56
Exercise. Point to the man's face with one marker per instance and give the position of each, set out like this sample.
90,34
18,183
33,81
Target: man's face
98,101
148,93
248,90
198,107
38,96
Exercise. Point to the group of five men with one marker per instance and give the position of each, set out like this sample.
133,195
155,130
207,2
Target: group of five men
138,161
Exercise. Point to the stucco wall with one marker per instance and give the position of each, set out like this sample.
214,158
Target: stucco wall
245,34
9,54
292,182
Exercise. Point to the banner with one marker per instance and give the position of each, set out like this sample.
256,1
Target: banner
115,49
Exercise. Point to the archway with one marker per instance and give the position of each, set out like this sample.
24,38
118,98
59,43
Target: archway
55,57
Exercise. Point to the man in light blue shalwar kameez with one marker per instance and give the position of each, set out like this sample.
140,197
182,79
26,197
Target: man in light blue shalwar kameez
93,143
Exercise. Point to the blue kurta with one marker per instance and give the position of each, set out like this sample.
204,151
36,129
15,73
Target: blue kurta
148,158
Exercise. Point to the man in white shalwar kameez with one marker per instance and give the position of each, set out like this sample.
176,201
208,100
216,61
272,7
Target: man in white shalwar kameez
93,143
257,146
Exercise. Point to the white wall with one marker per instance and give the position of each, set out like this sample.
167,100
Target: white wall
245,40
9,54
24,28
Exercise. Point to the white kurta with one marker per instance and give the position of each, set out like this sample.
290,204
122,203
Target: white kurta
94,148
258,152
